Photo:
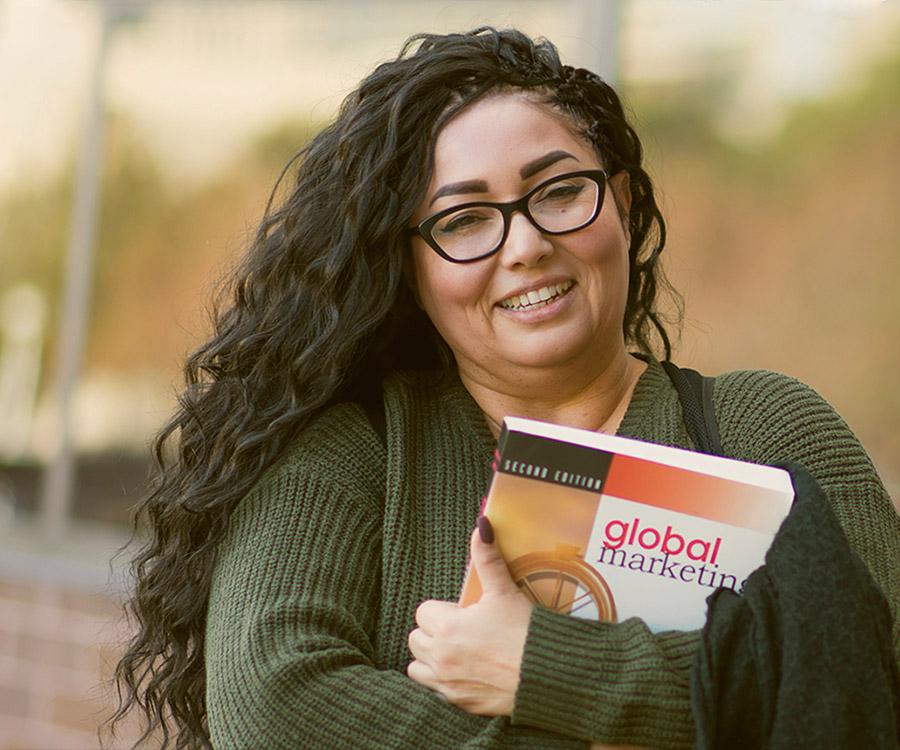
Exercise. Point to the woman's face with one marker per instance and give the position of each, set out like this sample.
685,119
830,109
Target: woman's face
498,149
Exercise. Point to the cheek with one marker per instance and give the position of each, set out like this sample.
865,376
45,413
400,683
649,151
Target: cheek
603,258
445,288
452,295
604,262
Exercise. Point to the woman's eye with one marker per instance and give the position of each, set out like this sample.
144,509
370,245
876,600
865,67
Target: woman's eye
459,223
561,193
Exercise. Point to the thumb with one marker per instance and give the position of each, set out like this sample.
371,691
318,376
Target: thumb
489,563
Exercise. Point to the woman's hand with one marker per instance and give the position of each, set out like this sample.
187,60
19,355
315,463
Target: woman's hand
471,655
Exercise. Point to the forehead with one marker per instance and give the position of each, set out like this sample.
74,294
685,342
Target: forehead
497,134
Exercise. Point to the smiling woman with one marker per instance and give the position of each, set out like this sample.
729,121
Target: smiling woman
473,237
542,308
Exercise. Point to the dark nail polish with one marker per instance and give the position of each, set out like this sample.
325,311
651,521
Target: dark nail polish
485,531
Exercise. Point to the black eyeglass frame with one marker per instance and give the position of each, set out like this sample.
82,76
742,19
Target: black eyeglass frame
424,227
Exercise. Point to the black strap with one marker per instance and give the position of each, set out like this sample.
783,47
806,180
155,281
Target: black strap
695,392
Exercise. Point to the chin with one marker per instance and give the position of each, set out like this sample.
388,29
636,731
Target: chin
543,354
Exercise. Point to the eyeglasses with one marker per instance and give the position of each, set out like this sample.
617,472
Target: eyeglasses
473,231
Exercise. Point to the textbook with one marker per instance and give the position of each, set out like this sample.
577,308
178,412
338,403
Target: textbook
606,528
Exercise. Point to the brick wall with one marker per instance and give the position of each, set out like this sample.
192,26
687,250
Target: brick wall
60,635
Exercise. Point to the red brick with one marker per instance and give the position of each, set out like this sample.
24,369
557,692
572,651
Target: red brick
16,591
48,680
46,651
47,594
84,714
108,657
36,735
56,648
127,733
11,669
90,603
8,643
13,700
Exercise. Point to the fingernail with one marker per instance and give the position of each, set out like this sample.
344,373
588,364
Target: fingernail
485,531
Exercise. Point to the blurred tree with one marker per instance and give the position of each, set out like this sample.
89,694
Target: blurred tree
774,243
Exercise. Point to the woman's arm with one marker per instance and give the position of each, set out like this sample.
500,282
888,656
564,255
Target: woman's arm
588,680
292,615
473,656
615,682
768,418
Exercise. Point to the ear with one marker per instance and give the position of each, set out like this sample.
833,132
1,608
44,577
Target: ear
620,186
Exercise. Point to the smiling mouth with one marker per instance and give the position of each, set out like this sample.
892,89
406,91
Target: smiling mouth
537,297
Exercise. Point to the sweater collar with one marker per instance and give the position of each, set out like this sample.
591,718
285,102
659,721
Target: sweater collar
472,419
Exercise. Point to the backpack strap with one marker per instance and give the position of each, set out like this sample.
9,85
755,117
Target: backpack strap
695,391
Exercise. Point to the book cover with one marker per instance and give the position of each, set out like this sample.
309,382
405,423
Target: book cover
605,527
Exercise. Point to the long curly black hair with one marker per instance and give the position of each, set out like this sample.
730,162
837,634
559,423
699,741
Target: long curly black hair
321,303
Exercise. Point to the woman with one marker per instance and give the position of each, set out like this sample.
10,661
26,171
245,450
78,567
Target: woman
297,587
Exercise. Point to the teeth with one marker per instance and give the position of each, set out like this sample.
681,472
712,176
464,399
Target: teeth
537,297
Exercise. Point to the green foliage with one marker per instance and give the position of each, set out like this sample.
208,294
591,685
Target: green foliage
36,222
33,224
133,199
272,149
769,206
681,119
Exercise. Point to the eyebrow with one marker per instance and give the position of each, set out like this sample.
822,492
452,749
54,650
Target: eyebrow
542,162
456,188
480,186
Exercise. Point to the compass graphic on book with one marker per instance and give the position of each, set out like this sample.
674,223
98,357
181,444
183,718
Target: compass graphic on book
561,580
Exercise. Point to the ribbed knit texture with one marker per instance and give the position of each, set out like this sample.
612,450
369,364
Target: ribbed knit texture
318,579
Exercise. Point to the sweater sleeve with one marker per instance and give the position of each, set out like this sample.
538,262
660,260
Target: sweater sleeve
294,602
611,682
786,420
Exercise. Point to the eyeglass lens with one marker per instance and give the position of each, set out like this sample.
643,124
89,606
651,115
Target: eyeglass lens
561,206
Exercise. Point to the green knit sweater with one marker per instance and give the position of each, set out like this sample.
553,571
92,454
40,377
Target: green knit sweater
326,560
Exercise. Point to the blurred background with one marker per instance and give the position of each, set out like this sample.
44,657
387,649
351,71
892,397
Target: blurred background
140,141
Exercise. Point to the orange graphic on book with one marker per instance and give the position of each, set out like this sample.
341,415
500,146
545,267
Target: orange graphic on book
562,581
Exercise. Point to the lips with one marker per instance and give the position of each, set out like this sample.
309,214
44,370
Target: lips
535,298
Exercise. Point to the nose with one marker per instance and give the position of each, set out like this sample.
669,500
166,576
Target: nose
525,244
